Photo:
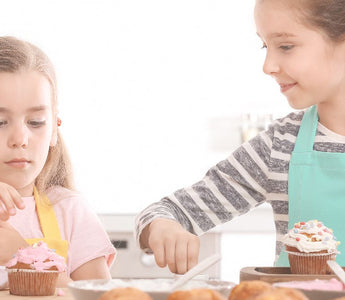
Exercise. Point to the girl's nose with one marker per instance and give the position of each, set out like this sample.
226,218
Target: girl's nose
19,137
270,66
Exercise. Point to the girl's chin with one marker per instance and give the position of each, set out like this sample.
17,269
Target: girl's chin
298,105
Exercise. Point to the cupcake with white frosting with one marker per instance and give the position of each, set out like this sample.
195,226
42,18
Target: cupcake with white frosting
309,245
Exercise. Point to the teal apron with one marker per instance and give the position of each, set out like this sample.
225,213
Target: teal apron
316,185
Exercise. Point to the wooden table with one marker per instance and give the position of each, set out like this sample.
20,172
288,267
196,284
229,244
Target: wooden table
6,295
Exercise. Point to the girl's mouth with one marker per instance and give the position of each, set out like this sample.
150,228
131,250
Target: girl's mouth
18,163
286,86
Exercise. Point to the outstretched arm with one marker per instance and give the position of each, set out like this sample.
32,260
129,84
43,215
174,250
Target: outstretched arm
229,189
94,269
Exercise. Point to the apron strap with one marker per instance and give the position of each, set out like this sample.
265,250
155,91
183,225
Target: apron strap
307,131
46,215
49,226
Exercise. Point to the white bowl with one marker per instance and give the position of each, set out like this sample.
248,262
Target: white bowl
158,289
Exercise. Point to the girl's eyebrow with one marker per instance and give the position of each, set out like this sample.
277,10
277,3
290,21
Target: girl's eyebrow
281,34
278,35
37,108
31,109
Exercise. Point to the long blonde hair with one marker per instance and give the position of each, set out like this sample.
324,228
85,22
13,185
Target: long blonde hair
17,55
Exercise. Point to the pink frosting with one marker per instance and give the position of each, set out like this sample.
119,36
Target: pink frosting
39,256
317,284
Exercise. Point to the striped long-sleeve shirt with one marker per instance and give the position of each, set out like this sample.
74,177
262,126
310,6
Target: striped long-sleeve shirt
255,173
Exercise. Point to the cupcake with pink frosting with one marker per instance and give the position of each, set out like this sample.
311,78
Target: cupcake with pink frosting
34,270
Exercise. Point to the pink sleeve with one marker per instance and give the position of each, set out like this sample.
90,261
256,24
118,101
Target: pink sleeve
85,234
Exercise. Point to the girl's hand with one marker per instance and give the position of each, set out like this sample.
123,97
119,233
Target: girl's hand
10,242
9,200
172,245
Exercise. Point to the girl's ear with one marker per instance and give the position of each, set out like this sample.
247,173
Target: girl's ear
53,139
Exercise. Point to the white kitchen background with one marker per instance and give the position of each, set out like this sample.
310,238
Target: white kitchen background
153,93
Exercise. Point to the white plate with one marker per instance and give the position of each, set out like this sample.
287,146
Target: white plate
158,289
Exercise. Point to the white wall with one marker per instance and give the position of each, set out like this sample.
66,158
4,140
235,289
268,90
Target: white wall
151,92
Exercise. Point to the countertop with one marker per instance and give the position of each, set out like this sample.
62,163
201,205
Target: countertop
5,294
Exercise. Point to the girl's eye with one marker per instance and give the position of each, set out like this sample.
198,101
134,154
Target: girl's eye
263,46
3,123
36,124
286,47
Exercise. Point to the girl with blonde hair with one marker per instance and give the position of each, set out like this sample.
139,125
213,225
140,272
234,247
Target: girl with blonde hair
37,200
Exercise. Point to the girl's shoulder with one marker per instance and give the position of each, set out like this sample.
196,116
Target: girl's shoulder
294,117
59,195
288,124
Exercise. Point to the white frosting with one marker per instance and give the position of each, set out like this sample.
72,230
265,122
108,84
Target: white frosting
319,237
148,285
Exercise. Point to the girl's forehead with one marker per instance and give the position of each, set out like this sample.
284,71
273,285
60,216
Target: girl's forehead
267,7
293,9
24,89
273,17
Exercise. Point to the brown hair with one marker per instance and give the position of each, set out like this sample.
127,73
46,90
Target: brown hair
326,15
17,55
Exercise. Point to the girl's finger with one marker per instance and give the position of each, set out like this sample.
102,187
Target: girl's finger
159,253
16,198
170,254
193,252
3,213
181,255
7,202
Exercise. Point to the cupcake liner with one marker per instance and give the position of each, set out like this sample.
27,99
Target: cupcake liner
310,263
24,282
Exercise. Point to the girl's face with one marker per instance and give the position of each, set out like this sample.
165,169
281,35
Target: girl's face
26,128
309,68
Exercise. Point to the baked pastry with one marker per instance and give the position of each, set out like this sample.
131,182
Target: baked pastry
125,293
196,294
34,270
281,294
309,245
248,290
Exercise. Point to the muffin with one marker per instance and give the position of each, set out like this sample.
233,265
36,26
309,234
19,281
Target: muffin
196,294
34,270
309,245
126,293
248,290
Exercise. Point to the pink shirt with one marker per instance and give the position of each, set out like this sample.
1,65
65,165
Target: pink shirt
78,225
